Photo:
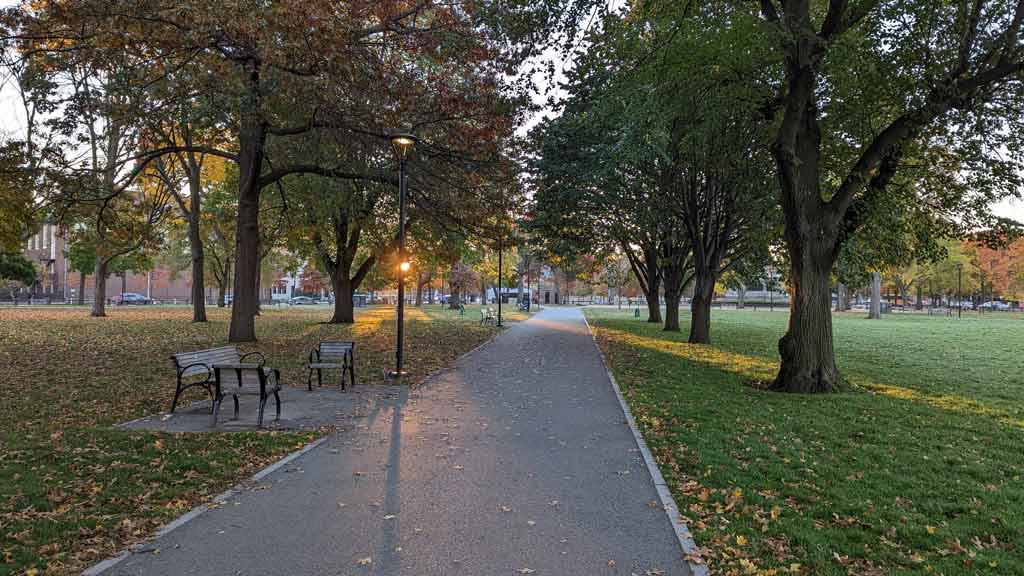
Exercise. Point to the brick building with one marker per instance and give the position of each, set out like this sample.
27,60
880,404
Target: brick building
45,249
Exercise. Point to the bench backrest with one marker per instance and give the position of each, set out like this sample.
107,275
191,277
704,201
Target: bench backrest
209,357
336,349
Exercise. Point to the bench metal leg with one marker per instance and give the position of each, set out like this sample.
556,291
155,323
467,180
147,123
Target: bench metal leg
235,397
216,408
352,367
259,420
277,400
177,393
309,379
319,378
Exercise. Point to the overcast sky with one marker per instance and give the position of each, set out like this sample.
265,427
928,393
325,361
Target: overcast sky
12,124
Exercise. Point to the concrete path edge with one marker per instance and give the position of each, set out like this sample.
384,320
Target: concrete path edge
194,513
691,553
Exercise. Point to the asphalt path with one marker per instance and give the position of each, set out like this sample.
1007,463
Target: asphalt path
518,460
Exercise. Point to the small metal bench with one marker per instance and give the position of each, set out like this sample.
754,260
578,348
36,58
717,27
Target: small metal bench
222,371
487,316
331,355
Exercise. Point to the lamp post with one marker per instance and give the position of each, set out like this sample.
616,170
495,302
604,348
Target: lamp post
500,249
401,143
959,302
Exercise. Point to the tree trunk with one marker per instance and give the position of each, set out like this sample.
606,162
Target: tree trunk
741,296
842,298
344,305
919,300
81,289
876,296
195,241
653,286
124,282
808,358
252,137
453,300
99,293
672,298
700,308
259,286
419,289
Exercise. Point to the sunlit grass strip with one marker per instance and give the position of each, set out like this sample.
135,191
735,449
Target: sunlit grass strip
916,473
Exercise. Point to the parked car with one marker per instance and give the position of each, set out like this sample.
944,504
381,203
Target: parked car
995,305
133,298
302,300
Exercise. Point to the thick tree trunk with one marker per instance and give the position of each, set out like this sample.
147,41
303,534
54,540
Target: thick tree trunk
741,296
919,298
344,305
419,290
252,137
259,286
672,298
808,358
99,293
81,289
195,241
875,311
700,308
653,286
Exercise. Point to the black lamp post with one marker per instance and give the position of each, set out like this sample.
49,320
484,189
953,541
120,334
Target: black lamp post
401,143
500,249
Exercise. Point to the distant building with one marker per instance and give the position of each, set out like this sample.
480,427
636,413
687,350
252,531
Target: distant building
45,249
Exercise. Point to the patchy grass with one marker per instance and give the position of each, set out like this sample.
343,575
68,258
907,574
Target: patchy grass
918,473
73,490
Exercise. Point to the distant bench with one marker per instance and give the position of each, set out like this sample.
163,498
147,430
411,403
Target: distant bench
225,371
487,316
331,355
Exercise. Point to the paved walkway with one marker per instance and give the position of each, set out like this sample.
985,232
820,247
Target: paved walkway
517,461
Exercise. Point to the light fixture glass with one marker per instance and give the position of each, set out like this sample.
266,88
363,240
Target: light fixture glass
404,266
401,143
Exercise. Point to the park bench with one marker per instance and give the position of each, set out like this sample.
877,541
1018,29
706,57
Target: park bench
487,316
331,355
224,370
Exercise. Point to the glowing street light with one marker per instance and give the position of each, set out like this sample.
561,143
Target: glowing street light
401,143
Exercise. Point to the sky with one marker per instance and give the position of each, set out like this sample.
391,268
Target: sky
12,122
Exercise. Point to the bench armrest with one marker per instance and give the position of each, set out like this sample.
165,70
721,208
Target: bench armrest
209,371
314,355
262,358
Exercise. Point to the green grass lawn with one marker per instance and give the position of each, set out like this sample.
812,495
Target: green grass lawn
921,471
73,490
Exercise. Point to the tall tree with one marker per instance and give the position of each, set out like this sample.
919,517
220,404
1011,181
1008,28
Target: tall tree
867,85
